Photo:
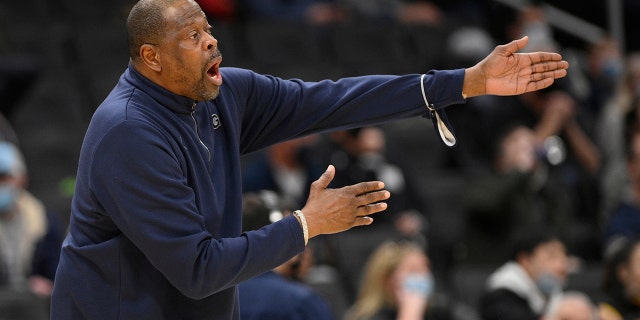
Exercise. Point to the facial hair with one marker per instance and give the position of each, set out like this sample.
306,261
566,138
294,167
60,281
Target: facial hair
201,89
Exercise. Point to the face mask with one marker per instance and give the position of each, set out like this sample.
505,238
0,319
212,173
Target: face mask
548,282
8,196
419,282
611,68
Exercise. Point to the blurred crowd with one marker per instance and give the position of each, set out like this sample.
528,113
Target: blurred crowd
534,212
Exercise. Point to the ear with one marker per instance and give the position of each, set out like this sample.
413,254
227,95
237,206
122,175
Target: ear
150,57
522,258
23,181
623,273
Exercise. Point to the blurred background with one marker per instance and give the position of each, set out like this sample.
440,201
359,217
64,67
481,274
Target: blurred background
59,60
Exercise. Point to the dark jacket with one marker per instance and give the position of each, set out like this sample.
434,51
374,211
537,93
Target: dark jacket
155,229
271,296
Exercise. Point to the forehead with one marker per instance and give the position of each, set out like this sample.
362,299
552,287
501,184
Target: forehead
551,247
414,259
183,13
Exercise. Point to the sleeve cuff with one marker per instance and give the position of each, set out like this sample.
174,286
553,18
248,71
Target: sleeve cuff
439,117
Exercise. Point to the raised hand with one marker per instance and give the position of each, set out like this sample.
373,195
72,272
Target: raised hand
335,210
506,72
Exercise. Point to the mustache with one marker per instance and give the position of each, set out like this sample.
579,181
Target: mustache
215,55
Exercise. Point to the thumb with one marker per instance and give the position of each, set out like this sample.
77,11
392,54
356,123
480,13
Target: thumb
516,45
326,178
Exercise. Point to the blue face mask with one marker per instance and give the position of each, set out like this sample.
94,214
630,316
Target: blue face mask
8,196
548,282
419,282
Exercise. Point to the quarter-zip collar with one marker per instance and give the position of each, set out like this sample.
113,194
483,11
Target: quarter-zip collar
166,98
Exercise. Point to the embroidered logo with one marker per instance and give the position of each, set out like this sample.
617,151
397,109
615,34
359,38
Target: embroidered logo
215,121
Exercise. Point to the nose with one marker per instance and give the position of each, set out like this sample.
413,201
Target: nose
211,43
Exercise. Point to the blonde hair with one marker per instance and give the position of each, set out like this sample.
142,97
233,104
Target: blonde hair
372,295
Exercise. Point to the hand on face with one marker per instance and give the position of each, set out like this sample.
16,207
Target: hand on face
413,284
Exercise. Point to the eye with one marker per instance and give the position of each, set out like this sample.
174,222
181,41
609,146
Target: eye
194,35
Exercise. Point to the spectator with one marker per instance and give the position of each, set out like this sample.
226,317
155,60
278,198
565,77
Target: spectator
398,284
30,239
519,194
625,219
279,293
621,284
557,114
523,287
552,115
612,135
361,154
285,168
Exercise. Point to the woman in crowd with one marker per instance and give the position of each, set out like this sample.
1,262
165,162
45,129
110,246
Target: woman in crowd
398,284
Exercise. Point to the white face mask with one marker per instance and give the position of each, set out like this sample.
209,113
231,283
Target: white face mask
8,197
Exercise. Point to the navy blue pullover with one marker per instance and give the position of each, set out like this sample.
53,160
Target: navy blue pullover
155,227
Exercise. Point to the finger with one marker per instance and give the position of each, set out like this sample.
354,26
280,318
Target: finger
540,84
549,66
554,74
538,57
372,208
325,178
363,221
365,187
372,197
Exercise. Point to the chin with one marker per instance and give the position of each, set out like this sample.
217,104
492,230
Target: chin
210,94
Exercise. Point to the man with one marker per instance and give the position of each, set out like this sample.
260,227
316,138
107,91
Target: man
518,195
155,228
524,286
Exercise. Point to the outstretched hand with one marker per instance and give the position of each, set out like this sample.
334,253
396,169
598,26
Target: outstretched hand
334,210
506,72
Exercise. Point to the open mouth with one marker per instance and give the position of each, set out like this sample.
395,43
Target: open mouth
214,73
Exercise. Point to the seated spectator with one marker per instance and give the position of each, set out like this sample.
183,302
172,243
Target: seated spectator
560,112
360,155
519,194
286,168
398,284
621,284
572,305
612,134
523,287
279,293
625,219
30,239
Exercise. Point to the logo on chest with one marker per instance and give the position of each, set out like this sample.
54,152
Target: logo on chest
215,121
